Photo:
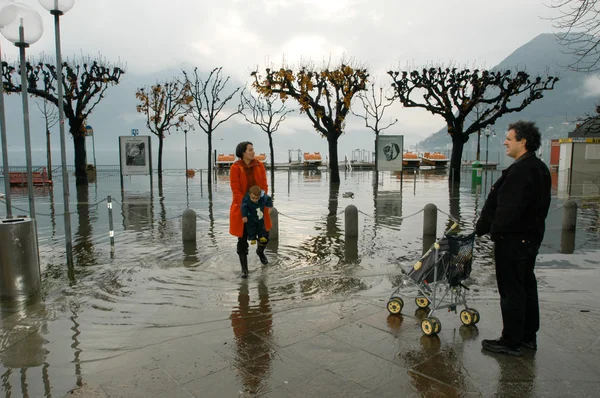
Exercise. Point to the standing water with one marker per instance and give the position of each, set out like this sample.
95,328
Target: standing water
154,288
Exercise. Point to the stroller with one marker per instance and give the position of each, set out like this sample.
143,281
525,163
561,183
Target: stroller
438,275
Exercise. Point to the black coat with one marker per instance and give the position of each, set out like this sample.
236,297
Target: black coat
518,203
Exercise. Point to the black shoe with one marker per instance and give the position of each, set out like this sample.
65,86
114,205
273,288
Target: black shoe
261,254
501,346
532,345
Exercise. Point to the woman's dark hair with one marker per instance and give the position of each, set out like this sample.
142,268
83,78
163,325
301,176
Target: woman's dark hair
529,132
241,148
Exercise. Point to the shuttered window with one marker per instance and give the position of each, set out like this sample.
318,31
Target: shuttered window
592,152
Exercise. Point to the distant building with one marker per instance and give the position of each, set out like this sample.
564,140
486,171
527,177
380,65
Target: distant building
579,163
588,129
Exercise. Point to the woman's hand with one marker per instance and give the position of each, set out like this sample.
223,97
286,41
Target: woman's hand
244,219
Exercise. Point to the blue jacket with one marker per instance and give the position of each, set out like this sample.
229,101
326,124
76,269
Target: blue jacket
255,211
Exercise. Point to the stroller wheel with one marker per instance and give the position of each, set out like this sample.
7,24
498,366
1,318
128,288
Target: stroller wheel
431,326
427,327
469,317
422,302
476,316
395,305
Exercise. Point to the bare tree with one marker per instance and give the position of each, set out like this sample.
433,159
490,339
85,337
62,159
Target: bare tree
84,83
50,115
267,115
325,95
454,93
374,105
208,102
166,106
578,26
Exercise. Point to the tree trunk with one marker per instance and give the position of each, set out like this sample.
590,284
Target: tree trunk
334,167
75,128
48,155
376,140
80,173
160,153
456,159
209,158
272,164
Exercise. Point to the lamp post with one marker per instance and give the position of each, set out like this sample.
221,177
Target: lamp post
488,131
5,18
25,29
58,8
22,25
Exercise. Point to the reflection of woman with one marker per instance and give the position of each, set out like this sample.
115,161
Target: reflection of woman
252,330
243,174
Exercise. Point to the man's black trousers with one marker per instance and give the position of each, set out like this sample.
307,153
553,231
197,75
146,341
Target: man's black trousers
517,285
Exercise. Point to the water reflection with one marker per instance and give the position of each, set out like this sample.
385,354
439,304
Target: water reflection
252,327
138,210
388,208
83,246
52,212
437,371
22,348
328,240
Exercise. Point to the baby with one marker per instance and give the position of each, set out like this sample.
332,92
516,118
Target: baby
253,207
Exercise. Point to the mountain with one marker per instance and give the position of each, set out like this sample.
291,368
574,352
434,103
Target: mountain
574,95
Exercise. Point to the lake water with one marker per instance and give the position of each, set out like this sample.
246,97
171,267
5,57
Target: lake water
154,281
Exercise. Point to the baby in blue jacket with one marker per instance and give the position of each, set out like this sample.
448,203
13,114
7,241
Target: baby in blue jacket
253,208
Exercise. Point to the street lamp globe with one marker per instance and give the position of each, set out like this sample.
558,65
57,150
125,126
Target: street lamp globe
19,15
57,6
6,16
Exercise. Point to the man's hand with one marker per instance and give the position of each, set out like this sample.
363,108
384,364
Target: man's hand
244,219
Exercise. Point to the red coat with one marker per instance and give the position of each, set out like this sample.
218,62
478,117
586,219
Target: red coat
239,188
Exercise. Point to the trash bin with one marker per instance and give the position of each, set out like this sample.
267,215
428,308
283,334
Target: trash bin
476,173
19,260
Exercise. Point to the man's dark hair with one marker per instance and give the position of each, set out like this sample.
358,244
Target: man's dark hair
241,148
529,132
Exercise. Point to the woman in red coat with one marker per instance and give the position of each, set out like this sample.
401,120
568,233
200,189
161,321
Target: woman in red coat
243,174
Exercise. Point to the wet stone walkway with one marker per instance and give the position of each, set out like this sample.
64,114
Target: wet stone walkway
353,348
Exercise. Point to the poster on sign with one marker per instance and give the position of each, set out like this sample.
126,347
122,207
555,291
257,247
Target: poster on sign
389,152
135,155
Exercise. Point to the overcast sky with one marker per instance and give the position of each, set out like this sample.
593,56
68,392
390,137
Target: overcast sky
148,36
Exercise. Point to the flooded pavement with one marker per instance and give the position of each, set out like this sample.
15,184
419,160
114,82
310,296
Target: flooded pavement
159,318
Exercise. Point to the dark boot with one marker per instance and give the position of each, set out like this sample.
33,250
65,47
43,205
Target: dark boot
260,250
244,264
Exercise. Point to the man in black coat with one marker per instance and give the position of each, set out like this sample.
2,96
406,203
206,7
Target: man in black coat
514,215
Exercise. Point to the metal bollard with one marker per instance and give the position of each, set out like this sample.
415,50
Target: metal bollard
351,221
19,259
111,232
569,226
429,225
188,225
274,231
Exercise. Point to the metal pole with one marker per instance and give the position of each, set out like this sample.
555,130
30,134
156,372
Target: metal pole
94,151
22,45
63,150
4,149
186,162
111,233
